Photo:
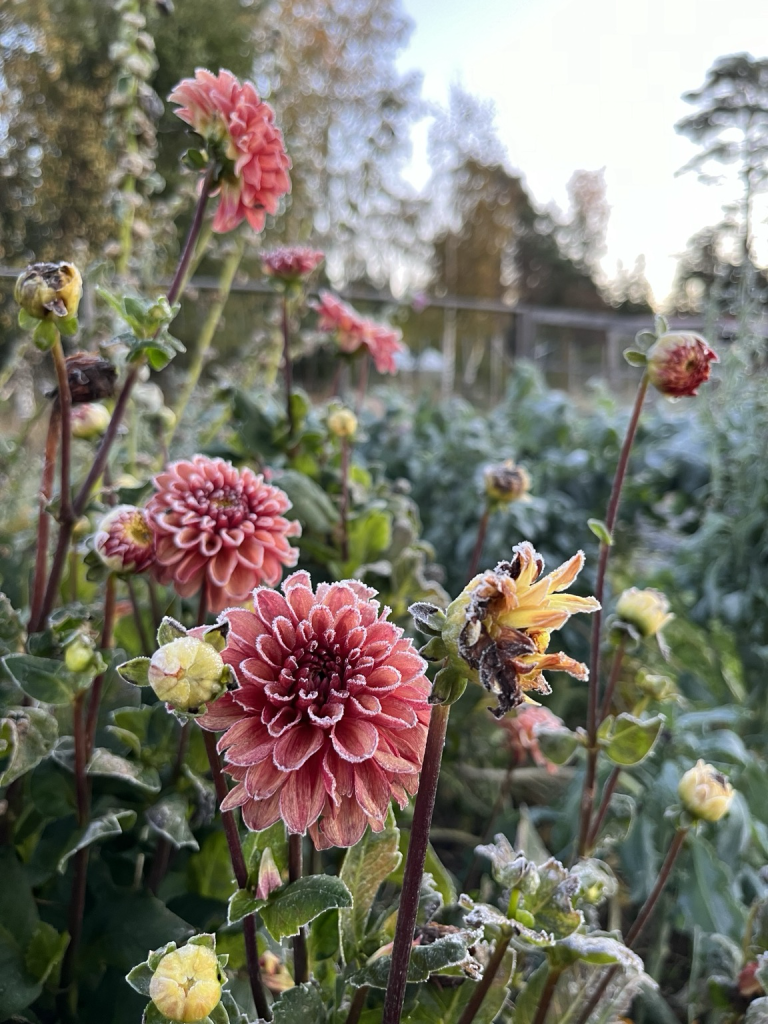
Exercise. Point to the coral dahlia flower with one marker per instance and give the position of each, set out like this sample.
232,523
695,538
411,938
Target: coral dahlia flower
330,718
221,528
291,263
354,332
240,129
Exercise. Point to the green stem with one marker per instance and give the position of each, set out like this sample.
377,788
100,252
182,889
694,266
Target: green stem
414,864
588,792
208,331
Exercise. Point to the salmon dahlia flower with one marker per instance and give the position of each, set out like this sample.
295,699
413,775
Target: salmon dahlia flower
220,528
330,717
354,332
291,263
240,129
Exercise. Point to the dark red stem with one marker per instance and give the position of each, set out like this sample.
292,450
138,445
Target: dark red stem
295,869
44,519
478,549
482,987
344,508
546,996
287,367
588,793
107,642
605,802
414,864
64,399
357,1005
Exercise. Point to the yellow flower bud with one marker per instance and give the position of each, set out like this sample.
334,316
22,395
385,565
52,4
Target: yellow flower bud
90,421
646,610
79,655
186,673
705,793
342,423
187,984
48,291
506,482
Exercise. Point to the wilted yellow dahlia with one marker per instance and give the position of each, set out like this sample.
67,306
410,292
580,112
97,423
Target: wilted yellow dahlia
501,623
49,291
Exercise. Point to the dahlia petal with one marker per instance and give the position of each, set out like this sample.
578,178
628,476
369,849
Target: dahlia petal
260,814
284,633
247,742
279,720
221,567
391,762
302,798
396,713
236,797
372,790
354,740
346,826
340,596
263,780
296,746
221,714
269,605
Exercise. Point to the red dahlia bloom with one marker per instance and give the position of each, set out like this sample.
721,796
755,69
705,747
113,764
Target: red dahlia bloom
354,332
679,363
233,120
219,527
291,263
330,718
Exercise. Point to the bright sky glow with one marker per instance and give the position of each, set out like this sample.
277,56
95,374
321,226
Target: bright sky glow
589,84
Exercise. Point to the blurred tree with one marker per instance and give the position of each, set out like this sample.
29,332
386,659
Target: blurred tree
582,238
630,292
730,126
710,274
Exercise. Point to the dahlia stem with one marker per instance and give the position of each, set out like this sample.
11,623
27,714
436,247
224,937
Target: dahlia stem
618,659
146,647
43,520
357,1005
287,367
588,793
207,332
344,506
64,398
482,527
295,869
414,864
100,461
481,989
157,614
241,876
107,642
605,801
640,921
546,996
362,384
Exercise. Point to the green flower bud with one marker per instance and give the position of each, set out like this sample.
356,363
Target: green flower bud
90,421
705,793
187,672
186,985
79,655
47,291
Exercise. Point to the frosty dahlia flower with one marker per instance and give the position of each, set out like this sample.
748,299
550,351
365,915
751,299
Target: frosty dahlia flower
354,332
240,129
291,263
219,527
679,363
500,625
330,718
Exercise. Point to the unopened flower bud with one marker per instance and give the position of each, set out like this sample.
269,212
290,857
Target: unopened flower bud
79,654
342,423
506,482
49,290
125,541
90,421
705,793
646,610
269,877
187,673
186,985
678,363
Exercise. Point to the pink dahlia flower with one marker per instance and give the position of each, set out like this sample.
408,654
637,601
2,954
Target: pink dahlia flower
233,120
291,263
219,527
354,332
125,541
330,718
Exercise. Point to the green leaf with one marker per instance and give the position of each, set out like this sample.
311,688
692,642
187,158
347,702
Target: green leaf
18,989
241,904
43,679
558,745
311,505
601,531
449,684
128,924
105,827
255,843
209,872
105,763
628,740
594,949
45,950
168,630
26,321
301,902
527,1002
368,534
68,327
46,335
635,357
170,818
302,1004
17,904
365,867
428,617
27,736
447,951
433,865
140,977
135,671
551,903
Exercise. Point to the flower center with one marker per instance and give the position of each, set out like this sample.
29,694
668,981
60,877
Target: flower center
137,531
226,506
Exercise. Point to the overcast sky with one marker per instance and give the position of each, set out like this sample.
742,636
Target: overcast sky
590,84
